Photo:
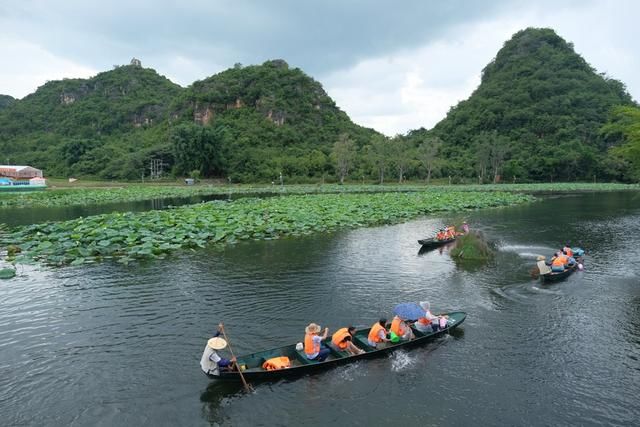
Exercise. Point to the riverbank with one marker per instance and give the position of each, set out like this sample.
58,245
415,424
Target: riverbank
80,196
129,236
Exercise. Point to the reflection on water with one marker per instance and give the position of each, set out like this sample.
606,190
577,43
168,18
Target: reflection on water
116,345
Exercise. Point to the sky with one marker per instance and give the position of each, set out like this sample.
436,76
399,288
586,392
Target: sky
391,66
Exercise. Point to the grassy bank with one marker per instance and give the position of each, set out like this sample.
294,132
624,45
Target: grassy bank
127,236
70,196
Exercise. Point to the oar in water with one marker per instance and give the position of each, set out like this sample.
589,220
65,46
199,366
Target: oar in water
247,386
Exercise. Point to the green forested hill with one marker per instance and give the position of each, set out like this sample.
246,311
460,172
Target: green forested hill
248,123
262,120
541,113
100,126
5,101
536,115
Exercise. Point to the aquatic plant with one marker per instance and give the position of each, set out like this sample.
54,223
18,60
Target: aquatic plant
127,236
472,246
95,196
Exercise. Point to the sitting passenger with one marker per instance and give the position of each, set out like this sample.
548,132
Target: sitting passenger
343,339
567,251
429,322
313,343
401,329
378,333
558,262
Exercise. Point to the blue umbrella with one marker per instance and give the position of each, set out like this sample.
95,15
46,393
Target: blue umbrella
409,311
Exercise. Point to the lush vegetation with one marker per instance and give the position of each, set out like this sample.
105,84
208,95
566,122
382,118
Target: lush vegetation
536,116
5,101
95,196
622,132
249,124
541,113
472,246
128,236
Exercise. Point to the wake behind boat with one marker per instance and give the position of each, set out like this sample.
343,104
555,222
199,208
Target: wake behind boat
252,364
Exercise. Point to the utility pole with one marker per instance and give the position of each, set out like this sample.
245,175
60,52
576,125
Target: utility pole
156,168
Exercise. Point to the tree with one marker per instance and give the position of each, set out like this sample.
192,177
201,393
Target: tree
428,153
402,155
379,155
343,154
499,148
622,131
482,148
197,147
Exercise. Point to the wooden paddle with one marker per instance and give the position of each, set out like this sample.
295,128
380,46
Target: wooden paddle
247,386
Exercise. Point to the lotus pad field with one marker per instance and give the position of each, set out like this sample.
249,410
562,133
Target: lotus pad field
128,236
96,196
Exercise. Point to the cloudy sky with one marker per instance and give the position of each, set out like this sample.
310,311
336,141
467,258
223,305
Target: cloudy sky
392,66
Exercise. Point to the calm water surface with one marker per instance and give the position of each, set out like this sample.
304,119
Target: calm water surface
112,345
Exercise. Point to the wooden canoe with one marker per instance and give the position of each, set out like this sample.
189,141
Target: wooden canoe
560,275
300,365
434,243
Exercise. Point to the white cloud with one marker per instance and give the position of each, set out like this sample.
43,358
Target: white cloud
25,66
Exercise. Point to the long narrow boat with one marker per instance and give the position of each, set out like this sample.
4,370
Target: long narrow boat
560,275
300,365
434,243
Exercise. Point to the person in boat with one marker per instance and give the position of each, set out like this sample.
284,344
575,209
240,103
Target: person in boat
449,233
559,262
313,348
401,329
378,333
429,322
211,362
543,268
440,234
343,340
567,251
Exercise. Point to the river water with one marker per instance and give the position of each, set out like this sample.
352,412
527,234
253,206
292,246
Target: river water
108,345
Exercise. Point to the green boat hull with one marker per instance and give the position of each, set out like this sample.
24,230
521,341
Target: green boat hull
434,243
300,365
557,277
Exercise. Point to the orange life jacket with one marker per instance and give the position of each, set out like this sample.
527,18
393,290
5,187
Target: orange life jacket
309,346
339,336
560,261
276,363
374,335
396,327
424,321
568,251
